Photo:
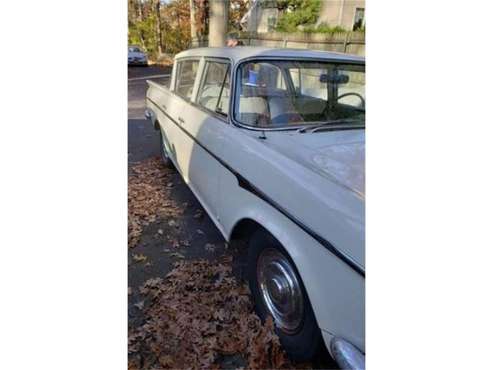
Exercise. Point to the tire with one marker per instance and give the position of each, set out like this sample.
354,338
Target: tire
296,327
164,153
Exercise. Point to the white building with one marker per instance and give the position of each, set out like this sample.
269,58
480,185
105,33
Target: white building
349,14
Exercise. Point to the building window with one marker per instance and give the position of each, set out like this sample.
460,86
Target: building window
359,19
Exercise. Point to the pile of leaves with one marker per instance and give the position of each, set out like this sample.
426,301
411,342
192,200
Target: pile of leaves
148,197
195,315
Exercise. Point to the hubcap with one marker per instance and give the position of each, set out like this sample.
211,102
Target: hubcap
280,290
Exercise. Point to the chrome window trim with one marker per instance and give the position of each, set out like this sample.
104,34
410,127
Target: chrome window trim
202,79
193,103
177,62
270,58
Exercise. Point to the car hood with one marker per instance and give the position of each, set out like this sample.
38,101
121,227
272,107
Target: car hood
336,155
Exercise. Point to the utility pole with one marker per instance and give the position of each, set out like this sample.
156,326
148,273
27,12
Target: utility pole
218,22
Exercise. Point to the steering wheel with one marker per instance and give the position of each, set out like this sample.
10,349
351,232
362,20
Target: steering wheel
355,94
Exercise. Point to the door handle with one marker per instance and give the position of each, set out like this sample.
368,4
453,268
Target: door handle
181,120
163,106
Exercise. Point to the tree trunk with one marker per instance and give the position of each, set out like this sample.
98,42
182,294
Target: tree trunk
218,22
140,17
193,24
158,28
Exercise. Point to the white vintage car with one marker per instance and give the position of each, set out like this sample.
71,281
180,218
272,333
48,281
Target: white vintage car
272,143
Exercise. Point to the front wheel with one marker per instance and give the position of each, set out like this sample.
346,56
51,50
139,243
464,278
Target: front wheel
278,291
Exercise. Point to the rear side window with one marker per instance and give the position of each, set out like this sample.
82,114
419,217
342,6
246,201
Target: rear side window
214,91
185,77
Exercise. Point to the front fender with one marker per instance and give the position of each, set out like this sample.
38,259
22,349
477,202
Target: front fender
336,292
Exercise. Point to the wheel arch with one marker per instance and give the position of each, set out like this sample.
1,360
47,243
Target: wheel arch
244,228
327,280
152,117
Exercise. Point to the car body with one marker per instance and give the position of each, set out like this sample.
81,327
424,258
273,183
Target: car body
302,181
136,56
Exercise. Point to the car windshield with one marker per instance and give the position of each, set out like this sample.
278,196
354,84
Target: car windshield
134,50
283,94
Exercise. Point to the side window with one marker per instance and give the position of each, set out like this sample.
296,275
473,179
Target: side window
359,19
185,77
214,91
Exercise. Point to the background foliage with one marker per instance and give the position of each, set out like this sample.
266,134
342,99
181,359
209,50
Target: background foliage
163,27
159,27
297,14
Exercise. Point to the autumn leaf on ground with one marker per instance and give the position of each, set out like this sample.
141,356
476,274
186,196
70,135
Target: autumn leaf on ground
177,255
210,247
148,197
139,257
200,306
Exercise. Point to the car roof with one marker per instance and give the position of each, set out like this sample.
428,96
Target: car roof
242,52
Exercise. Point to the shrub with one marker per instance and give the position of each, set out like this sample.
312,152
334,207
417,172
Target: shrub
324,28
297,13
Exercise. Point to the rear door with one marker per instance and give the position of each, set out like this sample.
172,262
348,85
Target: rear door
161,100
184,82
203,123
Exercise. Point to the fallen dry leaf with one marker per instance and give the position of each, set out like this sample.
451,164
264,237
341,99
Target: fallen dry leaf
139,257
198,313
177,255
148,197
210,247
